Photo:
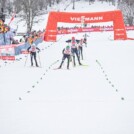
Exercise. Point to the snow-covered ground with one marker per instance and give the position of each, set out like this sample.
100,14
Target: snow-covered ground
97,98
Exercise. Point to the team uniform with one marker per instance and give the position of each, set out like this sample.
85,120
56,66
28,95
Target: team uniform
66,54
74,51
85,39
80,48
33,50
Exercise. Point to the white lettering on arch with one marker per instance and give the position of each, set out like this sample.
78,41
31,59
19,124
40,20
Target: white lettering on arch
83,18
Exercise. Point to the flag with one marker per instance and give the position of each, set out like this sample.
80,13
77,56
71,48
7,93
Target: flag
13,16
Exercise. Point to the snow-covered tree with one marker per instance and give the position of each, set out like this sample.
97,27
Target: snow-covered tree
2,3
9,6
127,8
30,9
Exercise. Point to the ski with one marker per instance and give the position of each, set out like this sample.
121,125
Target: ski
35,67
84,65
56,68
60,68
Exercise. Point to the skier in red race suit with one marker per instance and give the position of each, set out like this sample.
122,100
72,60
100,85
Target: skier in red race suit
33,50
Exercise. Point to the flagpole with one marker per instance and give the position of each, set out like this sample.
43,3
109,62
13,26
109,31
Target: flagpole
13,16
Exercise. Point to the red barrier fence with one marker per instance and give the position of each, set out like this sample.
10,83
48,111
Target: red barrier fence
7,52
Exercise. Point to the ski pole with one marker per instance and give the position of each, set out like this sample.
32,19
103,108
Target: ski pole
26,60
39,59
72,60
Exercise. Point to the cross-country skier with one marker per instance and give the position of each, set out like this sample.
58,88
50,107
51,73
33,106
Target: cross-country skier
80,48
74,50
33,51
66,54
85,39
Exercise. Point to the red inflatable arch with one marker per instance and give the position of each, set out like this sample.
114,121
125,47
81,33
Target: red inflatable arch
94,17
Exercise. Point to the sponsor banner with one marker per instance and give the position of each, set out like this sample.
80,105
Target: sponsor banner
10,46
7,57
130,28
7,52
99,29
83,19
6,46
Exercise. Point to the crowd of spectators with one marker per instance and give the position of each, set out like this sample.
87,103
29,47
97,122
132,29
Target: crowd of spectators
92,26
8,37
35,36
6,34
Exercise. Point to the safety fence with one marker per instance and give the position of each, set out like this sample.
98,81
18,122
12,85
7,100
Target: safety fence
8,52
